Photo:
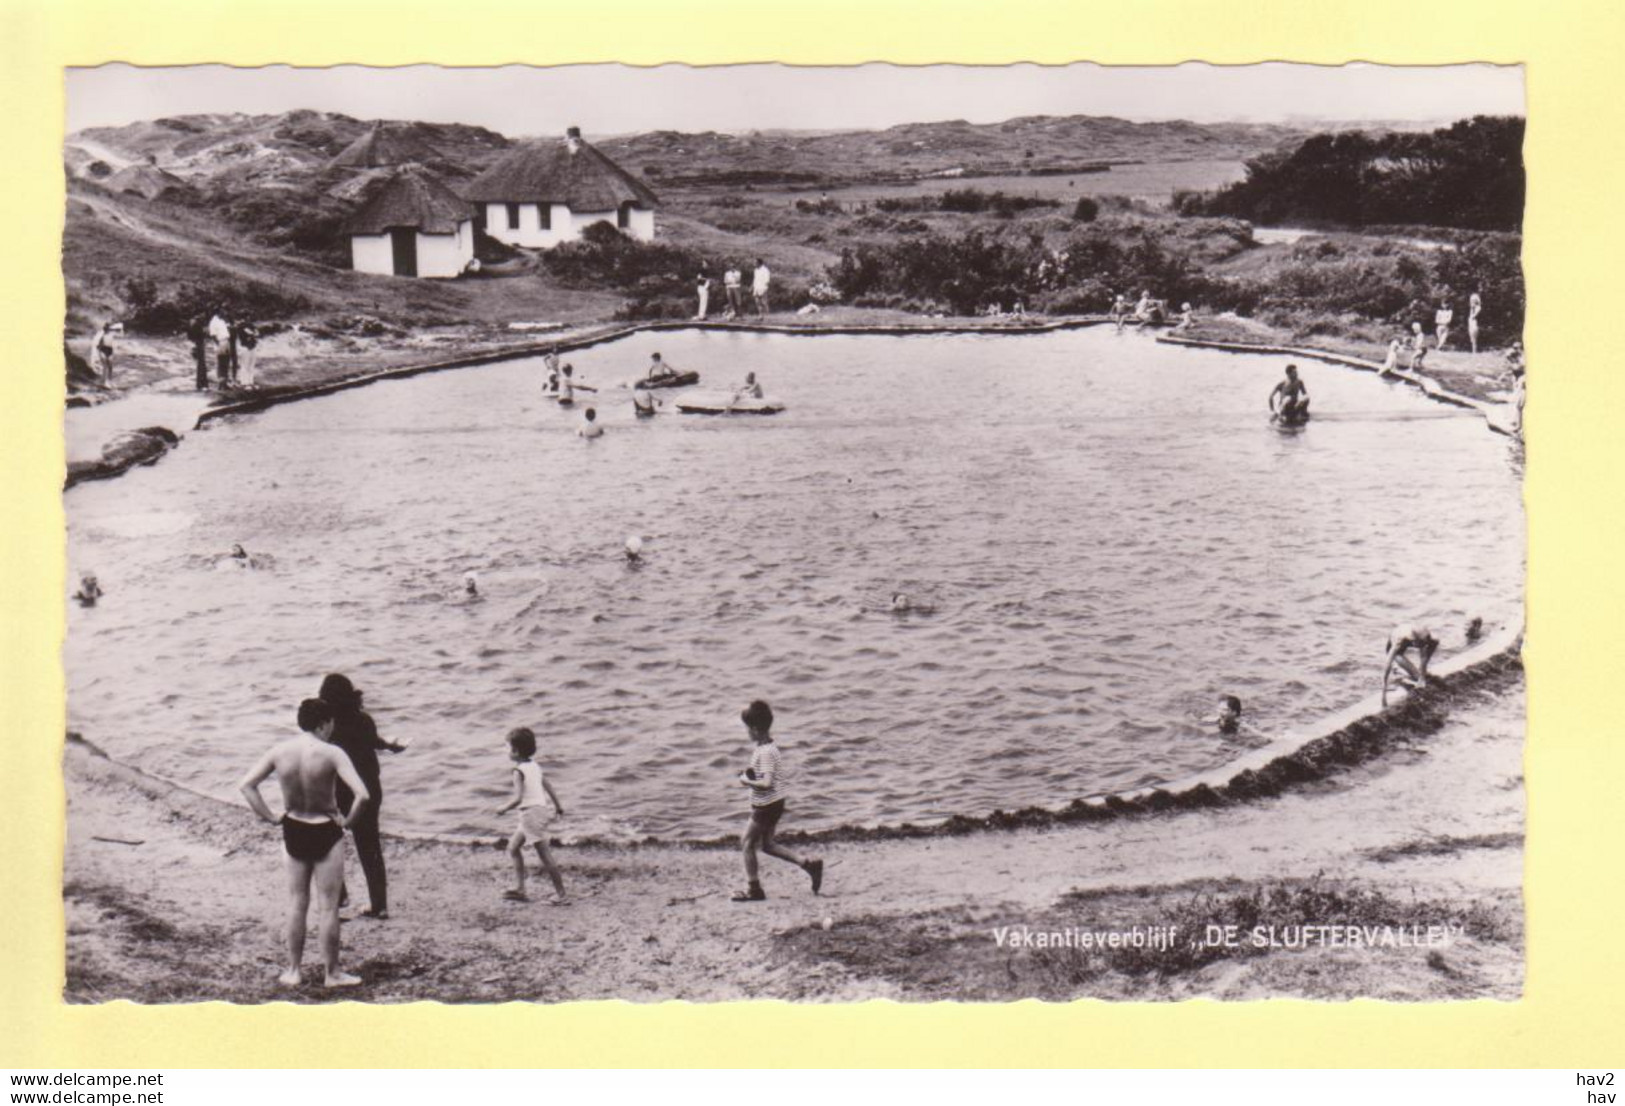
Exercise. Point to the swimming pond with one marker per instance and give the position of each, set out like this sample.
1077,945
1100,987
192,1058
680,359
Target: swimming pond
1100,536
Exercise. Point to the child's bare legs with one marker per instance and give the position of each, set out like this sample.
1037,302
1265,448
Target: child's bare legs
772,848
760,835
752,838
516,851
299,873
549,867
329,882
814,868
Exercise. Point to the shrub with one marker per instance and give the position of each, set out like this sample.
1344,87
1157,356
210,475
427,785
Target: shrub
1085,210
606,258
151,311
1467,175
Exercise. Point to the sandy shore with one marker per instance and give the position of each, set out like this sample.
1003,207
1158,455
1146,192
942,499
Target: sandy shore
172,896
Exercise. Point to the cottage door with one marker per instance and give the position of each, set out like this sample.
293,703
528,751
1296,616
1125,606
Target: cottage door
404,240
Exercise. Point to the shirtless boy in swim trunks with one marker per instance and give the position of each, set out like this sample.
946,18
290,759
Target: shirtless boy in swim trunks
1289,399
312,831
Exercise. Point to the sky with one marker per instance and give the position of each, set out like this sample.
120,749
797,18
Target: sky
615,99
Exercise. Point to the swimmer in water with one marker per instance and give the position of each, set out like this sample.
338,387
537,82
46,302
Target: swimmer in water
589,428
1404,642
89,590
550,361
1475,630
643,401
471,584
1229,724
634,550
1289,399
900,603
238,553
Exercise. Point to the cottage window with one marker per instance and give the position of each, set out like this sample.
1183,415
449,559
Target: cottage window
513,216
623,216
544,215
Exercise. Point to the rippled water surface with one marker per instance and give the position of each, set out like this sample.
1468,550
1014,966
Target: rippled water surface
1104,535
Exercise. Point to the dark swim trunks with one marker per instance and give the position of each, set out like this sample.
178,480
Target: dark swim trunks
767,817
309,841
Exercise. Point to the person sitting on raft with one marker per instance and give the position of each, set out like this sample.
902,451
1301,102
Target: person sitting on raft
660,370
643,401
749,389
1289,399
1417,640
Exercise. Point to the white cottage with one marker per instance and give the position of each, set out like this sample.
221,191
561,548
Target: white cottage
548,192
413,226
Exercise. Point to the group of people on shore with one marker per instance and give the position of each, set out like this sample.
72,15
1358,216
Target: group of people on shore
1413,347
331,786
1145,310
733,288
230,343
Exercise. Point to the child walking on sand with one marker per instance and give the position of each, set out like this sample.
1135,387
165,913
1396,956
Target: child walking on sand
531,794
765,778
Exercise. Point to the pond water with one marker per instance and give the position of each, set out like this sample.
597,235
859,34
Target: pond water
1103,535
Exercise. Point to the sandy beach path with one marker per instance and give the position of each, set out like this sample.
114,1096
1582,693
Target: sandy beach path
192,912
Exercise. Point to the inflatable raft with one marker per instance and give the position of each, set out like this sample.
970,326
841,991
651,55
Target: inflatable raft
727,405
681,380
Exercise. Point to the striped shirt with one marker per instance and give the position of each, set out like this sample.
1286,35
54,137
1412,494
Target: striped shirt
768,777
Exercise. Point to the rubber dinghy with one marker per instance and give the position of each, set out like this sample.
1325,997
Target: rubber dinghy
681,380
725,404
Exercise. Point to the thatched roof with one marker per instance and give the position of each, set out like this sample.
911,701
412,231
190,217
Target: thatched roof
564,171
413,197
384,146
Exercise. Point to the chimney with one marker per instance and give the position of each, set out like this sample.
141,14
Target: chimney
572,138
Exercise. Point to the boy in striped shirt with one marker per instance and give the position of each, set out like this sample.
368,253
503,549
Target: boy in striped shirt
766,781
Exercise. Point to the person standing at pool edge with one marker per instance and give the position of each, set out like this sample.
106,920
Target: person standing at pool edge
309,768
355,732
760,281
1442,319
766,779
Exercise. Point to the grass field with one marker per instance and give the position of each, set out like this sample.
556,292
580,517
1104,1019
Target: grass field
1155,181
